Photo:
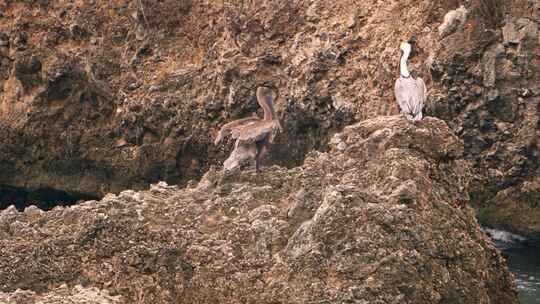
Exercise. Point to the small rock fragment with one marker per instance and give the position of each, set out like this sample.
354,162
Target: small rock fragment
453,20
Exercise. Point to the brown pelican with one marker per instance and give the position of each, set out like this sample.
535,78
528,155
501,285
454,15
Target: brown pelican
410,93
253,135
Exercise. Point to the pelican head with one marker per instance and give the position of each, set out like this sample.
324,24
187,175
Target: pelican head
405,47
266,97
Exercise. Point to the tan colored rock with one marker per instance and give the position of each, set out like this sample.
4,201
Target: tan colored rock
453,21
123,100
77,114
376,221
510,32
61,295
486,88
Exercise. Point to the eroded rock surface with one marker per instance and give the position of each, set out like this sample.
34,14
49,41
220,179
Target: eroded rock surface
380,218
61,295
489,93
104,96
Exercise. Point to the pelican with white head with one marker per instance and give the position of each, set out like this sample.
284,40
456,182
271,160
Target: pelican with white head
410,92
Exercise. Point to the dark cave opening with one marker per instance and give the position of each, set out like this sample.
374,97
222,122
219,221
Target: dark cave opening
44,198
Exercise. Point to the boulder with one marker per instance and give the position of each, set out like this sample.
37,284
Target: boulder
382,217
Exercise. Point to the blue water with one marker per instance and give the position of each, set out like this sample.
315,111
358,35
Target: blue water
523,258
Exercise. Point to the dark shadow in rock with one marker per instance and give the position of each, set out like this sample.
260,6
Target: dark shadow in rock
44,198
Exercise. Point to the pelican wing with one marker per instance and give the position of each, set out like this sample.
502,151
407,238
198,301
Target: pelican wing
229,128
256,131
410,96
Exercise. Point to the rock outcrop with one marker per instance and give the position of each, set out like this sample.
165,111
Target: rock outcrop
380,218
61,295
489,93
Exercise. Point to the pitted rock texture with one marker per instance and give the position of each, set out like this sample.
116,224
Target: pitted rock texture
98,97
103,96
380,218
61,295
488,91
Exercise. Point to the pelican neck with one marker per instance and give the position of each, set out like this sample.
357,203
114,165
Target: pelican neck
403,69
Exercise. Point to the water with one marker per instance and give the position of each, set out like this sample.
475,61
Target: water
523,257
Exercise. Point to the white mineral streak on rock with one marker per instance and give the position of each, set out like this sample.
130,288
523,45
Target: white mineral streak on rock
453,20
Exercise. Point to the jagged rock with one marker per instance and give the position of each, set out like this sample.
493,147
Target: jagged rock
510,33
492,95
76,31
488,64
500,127
333,64
528,36
380,220
4,40
27,70
453,20
20,40
61,295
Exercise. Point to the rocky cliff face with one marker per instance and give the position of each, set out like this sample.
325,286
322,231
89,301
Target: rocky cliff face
378,219
490,95
106,96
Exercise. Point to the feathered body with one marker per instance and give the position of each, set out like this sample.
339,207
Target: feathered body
410,92
410,96
253,135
